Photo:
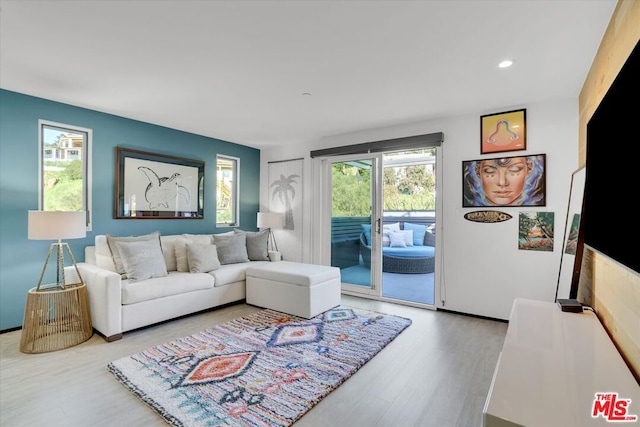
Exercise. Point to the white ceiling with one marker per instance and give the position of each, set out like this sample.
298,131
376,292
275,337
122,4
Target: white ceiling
237,70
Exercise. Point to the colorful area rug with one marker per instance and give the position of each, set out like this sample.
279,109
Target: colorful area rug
265,369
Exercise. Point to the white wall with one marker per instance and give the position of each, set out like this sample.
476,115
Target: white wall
481,269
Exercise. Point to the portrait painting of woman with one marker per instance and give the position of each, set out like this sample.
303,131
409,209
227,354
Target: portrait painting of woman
505,181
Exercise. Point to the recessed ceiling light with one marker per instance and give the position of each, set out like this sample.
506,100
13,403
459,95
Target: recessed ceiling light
506,63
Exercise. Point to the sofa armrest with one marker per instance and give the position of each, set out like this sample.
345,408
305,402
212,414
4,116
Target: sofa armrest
104,288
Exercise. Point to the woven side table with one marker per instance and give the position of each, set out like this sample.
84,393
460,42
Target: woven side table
55,318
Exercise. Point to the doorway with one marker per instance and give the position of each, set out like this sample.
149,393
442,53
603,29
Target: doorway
383,224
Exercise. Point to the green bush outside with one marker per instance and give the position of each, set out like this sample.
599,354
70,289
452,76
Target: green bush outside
63,188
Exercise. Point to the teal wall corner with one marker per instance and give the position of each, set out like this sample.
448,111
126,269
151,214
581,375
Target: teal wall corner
21,260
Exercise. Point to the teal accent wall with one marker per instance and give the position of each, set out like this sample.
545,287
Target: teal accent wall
21,260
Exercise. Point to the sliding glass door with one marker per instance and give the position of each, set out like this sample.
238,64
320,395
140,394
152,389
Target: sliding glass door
355,221
378,216
409,224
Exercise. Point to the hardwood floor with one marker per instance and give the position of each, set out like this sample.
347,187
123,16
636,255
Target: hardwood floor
436,373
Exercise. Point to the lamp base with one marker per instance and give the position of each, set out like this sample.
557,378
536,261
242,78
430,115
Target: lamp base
60,280
275,256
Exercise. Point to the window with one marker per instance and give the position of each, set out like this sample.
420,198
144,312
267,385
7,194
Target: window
227,191
64,173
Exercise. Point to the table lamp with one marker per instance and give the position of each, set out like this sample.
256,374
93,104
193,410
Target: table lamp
271,221
56,316
57,225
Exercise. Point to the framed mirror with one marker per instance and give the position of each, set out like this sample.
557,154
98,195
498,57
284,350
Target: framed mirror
572,242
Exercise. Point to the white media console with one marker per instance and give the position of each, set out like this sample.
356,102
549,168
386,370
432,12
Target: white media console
552,365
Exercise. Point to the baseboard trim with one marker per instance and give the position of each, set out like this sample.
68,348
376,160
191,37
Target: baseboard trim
474,315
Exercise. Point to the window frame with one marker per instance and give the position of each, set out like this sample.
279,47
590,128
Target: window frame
235,191
86,164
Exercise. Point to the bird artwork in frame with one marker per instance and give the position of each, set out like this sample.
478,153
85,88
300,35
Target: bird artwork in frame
157,186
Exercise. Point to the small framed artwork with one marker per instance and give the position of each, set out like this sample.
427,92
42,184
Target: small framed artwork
504,181
502,132
536,231
155,186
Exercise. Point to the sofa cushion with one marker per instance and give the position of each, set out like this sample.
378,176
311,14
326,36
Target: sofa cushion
232,249
199,238
418,232
174,283
104,259
231,273
142,259
202,258
257,244
294,273
169,244
115,254
412,252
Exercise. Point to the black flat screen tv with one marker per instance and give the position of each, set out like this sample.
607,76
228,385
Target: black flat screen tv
611,210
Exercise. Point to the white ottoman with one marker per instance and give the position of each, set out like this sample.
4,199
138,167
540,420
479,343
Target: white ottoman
304,290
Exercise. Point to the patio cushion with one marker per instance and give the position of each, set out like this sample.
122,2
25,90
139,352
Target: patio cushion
366,229
409,252
418,232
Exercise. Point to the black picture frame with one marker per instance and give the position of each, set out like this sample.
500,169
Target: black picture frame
156,186
503,132
525,186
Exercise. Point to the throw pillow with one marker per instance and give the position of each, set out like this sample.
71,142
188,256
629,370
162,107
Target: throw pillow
232,249
257,244
386,229
142,259
418,232
408,237
202,258
366,229
396,239
182,262
168,245
117,260
429,239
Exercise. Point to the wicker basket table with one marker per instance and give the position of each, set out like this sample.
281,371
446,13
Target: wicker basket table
55,318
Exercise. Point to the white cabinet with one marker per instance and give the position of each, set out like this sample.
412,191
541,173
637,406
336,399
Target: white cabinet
551,366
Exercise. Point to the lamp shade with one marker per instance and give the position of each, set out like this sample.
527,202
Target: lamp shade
270,220
56,225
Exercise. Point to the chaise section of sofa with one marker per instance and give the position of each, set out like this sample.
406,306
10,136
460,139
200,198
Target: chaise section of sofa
122,301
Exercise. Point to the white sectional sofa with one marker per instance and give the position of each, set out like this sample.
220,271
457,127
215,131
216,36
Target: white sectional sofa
189,277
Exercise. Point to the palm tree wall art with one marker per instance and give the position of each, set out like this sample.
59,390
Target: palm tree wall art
286,197
284,189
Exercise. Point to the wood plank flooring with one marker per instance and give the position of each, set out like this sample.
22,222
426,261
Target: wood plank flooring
436,373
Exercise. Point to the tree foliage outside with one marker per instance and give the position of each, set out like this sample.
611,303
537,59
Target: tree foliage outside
406,188
351,191
63,187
